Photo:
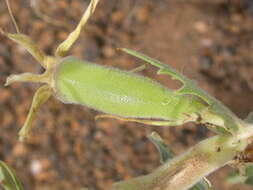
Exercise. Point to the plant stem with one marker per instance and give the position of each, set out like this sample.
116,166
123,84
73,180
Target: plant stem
187,169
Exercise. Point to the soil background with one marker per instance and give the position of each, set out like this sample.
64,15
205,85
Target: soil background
210,41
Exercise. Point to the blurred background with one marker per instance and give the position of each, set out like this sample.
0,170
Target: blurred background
210,41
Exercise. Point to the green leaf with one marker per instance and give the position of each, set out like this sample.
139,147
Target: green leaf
8,179
164,151
203,185
245,176
249,118
249,181
189,87
235,178
249,170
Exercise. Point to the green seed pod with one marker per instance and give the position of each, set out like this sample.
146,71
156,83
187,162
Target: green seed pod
121,93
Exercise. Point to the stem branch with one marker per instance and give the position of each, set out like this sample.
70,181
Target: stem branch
187,169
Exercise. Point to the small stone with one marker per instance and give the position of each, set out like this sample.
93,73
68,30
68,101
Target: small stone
206,62
108,51
5,95
142,14
62,35
7,118
36,167
200,27
207,42
117,17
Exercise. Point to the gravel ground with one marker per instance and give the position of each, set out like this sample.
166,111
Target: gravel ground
210,41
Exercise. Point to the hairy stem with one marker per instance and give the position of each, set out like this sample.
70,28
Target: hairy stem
184,171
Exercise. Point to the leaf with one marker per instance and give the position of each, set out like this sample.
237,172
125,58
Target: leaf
245,177
164,151
40,97
8,179
189,87
235,178
202,185
73,36
249,174
249,170
27,43
249,118
249,181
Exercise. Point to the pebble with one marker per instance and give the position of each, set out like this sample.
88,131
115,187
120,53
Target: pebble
200,27
36,167
142,14
117,17
108,51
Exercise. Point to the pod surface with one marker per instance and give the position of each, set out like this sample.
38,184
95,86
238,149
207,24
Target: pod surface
118,92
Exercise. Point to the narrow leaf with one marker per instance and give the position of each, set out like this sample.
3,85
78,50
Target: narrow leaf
164,151
40,97
249,118
249,181
8,179
245,176
27,43
202,185
73,36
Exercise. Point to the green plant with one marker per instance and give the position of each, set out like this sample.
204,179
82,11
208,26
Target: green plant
8,178
130,97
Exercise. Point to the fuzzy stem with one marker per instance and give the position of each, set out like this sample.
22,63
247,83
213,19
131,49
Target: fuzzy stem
184,171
